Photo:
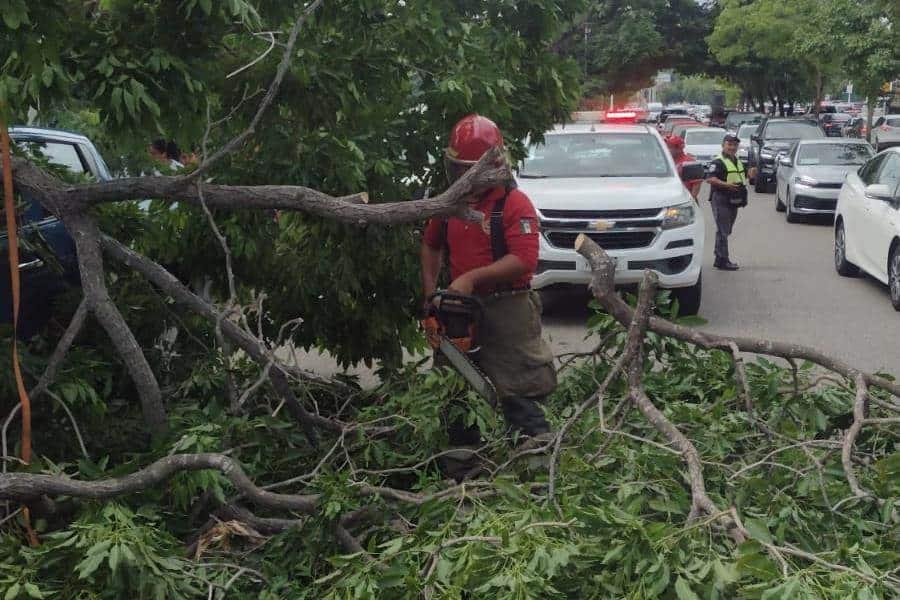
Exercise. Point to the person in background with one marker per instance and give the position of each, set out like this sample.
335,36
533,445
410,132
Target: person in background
728,180
165,153
676,147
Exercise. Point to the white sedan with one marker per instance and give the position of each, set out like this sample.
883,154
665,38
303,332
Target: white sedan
867,222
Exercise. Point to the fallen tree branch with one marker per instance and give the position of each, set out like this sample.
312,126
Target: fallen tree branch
603,287
633,343
84,231
254,348
267,100
741,375
859,417
61,350
62,199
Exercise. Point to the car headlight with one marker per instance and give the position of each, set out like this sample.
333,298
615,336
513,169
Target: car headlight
804,180
679,216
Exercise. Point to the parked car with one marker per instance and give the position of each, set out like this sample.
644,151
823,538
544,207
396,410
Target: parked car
681,128
773,136
886,132
834,123
734,119
668,112
744,133
617,184
47,261
856,128
672,122
703,143
867,222
810,175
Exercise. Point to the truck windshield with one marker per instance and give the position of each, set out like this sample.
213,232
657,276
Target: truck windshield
833,154
596,155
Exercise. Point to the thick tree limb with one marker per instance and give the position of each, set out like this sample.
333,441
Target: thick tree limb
603,287
90,264
59,198
27,486
170,285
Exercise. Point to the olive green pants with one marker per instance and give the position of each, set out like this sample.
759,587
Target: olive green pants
517,361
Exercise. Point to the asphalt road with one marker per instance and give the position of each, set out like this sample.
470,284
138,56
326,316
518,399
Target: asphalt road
786,290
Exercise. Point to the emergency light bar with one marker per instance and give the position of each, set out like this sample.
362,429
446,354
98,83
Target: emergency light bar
621,114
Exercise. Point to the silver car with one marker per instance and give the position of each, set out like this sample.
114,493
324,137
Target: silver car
810,174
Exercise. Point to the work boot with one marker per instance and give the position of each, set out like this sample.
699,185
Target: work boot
525,416
461,464
726,265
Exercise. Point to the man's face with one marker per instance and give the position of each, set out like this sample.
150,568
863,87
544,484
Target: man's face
730,148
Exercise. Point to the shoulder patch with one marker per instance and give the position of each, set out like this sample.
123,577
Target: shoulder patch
711,166
527,225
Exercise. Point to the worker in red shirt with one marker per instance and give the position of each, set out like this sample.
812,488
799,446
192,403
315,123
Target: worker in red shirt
496,265
676,147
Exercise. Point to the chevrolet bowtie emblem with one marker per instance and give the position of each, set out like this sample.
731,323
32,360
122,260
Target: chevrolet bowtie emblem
602,225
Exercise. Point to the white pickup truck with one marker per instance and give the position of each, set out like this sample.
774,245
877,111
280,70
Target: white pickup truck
619,185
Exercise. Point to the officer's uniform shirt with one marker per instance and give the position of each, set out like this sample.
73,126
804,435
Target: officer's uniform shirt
470,243
716,168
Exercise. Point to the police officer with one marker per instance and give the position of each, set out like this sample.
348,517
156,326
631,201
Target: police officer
728,181
496,266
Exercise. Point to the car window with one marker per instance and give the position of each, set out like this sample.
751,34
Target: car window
870,169
58,153
833,154
746,131
707,138
791,130
889,174
892,121
597,155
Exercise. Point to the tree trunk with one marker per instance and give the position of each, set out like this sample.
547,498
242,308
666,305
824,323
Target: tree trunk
820,84
870,113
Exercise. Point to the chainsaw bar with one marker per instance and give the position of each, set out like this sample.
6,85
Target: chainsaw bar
469,371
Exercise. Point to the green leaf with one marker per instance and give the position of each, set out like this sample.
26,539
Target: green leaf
114,554
33,591
683,590
758,530
13,591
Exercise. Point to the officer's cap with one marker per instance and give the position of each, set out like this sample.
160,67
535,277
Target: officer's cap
732,138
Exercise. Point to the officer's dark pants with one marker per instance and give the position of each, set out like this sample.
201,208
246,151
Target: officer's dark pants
725,215
517,361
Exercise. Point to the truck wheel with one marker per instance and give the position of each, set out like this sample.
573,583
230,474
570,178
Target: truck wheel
689,298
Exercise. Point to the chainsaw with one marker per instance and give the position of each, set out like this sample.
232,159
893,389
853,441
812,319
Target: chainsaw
450,326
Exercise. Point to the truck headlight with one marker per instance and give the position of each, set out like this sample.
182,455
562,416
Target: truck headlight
679,216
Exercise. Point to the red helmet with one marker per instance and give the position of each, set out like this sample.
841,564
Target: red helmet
470,138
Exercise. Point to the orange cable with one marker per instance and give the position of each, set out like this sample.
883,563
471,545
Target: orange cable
13,246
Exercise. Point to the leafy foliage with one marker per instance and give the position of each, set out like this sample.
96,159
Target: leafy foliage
622,531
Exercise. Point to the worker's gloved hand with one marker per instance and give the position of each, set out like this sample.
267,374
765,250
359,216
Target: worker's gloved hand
432,330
